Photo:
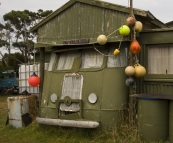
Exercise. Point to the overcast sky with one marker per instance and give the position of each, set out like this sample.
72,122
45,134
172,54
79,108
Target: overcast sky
161,9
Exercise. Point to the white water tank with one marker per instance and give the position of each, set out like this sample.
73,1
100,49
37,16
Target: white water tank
25,71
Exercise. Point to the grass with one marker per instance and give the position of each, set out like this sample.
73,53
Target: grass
34,133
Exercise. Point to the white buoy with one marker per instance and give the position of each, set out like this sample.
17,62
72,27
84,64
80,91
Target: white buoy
102,39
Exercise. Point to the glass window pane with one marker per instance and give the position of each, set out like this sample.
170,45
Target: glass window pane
66,59
160,59
52,60
121,60
91,59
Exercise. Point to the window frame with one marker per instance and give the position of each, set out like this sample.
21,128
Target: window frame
65,70
158,77
105,51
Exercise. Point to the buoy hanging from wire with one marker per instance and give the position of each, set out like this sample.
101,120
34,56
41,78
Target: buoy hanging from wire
135,48
130,21
102,39
140,71
138,26
130,81
130,70
124,30
116,52
34,80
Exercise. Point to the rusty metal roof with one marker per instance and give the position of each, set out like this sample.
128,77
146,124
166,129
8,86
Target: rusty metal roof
170,24
145,16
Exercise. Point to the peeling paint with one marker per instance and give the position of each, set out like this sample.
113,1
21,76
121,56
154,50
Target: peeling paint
20,105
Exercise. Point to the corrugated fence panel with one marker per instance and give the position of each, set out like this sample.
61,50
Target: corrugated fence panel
162,88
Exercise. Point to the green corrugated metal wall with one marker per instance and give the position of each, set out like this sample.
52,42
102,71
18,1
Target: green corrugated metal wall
153,83
81,21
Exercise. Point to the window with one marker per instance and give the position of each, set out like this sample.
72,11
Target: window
120,60
52,60
160,59
91,59
72,87
65,60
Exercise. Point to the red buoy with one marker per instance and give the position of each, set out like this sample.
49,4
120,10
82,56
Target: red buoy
135,48
34,80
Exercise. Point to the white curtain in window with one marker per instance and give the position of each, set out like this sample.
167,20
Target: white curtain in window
52,60
120,60
72,87
170,60
65,60
91,59
160,60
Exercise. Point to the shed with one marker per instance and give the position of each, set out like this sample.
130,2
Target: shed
88,19
79,91
170,24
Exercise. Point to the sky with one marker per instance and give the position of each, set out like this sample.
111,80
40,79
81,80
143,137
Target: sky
161,9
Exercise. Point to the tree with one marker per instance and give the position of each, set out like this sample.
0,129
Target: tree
14,61
5,38
19,23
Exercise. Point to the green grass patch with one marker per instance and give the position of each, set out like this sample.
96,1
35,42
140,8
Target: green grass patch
35,133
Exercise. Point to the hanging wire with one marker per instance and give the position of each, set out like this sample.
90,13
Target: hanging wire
101,52
34,59
105,54
136,59
120,43
113,32
134,32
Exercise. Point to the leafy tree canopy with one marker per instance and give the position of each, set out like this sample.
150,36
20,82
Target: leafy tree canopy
16,27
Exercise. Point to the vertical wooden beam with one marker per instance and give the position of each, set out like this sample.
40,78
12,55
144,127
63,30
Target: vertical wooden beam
131,11
131,7
131,103
42,61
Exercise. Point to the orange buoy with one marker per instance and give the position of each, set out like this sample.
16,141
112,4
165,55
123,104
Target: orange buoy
34,80
135,48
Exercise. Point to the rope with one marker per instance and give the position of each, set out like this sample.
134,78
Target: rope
113,32
34,59
120,43
105,54
101,52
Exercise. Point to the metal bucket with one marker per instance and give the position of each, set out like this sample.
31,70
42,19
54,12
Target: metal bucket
153,119
171,122
21,110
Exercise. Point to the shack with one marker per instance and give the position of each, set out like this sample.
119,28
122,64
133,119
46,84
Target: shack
84,85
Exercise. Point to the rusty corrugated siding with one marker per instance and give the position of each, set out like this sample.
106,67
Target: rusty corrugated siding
81,21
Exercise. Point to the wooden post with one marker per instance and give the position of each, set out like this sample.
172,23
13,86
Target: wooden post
131,112
42,60
131,11
131,7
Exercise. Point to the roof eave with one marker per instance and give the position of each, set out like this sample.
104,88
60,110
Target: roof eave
66,5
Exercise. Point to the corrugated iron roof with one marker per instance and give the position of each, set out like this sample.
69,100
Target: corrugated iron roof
170,24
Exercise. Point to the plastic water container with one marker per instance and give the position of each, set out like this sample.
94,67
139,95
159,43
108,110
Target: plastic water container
25,71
